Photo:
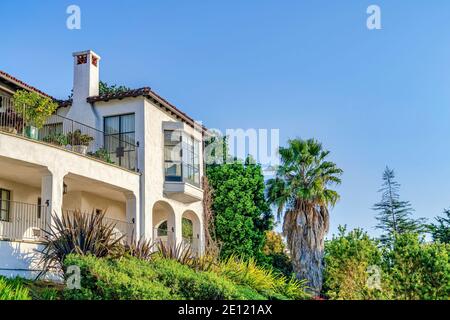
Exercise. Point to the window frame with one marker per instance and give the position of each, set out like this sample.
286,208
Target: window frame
8,201
119,135
189,158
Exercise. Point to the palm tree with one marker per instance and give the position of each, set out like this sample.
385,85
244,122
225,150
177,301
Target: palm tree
300,191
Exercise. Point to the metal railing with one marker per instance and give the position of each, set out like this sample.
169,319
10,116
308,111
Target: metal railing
121,227
115,148
21,221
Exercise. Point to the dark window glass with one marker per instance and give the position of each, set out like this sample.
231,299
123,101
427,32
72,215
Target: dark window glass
120,140
5,197
182,157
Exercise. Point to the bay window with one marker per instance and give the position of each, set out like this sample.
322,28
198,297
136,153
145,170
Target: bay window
182,157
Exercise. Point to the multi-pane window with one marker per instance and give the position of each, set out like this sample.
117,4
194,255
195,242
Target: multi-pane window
182,157
5,197
120,140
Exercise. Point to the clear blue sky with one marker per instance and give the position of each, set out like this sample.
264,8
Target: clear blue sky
310,68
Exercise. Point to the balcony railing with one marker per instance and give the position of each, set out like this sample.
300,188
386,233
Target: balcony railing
23,221
71,135
121,227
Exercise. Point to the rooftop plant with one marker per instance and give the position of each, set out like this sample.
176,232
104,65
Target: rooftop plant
33,108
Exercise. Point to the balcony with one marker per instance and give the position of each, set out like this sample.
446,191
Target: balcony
71,135
22,221
26,222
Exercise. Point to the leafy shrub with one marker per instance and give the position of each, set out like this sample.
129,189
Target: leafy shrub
347,259
130,278
419,270
58,139
33,108
77,138
101,154
274,254
120,279
13,289
265,281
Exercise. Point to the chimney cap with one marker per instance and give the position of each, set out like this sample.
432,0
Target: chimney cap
87,52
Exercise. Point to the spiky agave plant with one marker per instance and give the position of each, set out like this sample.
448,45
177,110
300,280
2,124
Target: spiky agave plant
78,233
141,249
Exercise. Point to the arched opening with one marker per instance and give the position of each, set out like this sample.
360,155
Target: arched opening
163,223
191,231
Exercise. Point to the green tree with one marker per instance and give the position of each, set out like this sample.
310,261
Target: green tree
348,259
275,255
440,231
105,88
241,212
300,191
394,215
418,270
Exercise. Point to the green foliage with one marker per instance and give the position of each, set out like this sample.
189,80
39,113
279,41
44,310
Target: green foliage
275,255
129,278
13,289
264,280
105,88
33,108
187,228
120,279
440,231
301,192
77,138
59,139
347,259
394,215
242,215
419,270
101,154
409,267
80,233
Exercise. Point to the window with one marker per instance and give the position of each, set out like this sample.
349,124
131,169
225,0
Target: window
5,197
182,157
120,140
39,208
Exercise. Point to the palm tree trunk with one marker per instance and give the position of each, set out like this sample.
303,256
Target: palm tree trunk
306,230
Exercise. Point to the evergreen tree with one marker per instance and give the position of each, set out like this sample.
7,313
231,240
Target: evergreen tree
441,230
394,215
241,213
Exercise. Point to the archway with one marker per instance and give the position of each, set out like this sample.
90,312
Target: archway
191,231
163,223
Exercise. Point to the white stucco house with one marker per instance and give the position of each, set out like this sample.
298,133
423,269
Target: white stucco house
142,164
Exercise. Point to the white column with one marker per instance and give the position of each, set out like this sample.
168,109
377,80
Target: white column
178,229
52,192
133,216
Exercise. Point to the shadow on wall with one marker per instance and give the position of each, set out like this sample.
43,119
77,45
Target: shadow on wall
21,259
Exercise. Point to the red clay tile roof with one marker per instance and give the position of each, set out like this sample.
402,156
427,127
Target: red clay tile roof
145,92
22,84
148,93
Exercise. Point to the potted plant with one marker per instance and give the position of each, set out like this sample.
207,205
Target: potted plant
101,154
58,139
79,141
34,109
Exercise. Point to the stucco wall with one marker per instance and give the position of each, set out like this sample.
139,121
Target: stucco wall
21,259
21,192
